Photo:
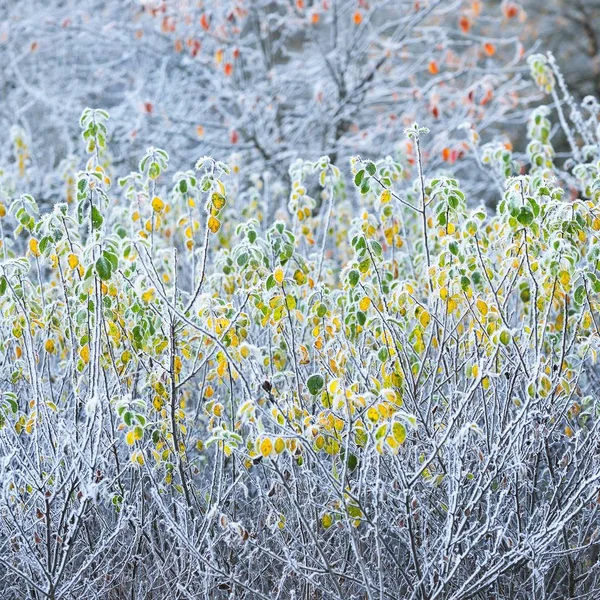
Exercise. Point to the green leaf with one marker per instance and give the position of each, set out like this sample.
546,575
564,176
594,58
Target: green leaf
580,294
13,404
103,268
359,177
112,258
525,216
371,168
315,383
398,432
97,218
154,170
353,277
3,285
352,462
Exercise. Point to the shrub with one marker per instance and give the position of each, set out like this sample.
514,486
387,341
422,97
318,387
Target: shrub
394,402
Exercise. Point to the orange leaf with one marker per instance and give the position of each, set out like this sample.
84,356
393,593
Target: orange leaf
433,67
357,18
511,10
204,22
446,154
228,69
464,24
490,49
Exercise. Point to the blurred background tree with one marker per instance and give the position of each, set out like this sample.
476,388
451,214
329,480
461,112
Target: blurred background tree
266,81
571,30
260,83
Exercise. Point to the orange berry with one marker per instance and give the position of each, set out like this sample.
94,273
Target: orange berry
357,18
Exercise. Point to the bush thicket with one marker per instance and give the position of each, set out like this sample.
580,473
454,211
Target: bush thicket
395,401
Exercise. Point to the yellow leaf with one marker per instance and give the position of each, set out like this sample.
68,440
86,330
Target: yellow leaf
34,246
177,364
385,197
148,295
218,200
424,318
49,346
266,447
327,520
157,204
214,224
278,275
73,261
221,368
373,414
84,352
482,307
130,438
364,303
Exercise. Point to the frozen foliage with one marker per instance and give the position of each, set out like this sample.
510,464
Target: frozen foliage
395,401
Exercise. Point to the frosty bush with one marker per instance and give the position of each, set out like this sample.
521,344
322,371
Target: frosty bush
394,396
